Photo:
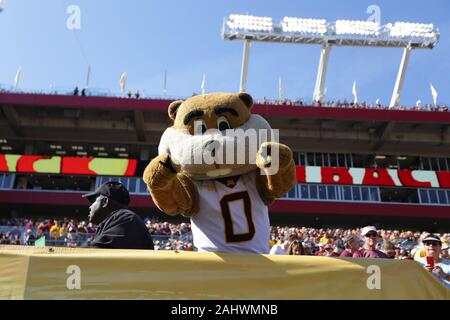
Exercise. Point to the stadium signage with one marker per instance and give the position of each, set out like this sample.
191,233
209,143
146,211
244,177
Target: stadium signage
67,165
305,174
373,177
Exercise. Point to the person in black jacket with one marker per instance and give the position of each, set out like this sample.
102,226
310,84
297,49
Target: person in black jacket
117,226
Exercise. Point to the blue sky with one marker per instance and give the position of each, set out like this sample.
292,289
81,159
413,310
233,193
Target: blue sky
146,37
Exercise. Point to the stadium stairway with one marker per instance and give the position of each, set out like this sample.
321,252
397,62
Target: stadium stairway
66,273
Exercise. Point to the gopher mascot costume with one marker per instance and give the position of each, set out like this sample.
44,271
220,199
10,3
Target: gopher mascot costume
222,181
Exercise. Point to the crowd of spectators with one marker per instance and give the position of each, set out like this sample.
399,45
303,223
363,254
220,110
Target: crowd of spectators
430,250
326,242
339,103
344,103
73,232
367,242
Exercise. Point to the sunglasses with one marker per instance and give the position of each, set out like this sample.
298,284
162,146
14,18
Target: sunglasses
432,243
371,235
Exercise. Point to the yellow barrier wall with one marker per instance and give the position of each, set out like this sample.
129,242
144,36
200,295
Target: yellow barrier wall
41,273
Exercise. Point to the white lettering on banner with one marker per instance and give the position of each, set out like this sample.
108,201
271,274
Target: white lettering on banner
394,175
426,176
313,175
357,174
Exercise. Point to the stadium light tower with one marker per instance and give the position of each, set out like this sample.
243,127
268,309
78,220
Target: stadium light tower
327,34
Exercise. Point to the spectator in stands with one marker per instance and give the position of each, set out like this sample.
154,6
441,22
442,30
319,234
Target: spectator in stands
29,224
278,248
90,228
15,238
290,238
336,252
83,92
328,250
444,253
137,95
388,249
29,237
325,238
433,262
72,225
351,244
445,239
370,235
420,251
71,240
321,251
76,91
165,229
55,230
118,227
129,94
404,255
45,226
296,248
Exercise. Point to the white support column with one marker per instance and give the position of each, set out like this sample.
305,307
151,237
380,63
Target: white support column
322,73
400,77
244,70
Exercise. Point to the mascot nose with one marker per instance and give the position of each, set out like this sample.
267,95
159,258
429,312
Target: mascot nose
211,146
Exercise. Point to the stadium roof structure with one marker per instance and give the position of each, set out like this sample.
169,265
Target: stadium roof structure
327,34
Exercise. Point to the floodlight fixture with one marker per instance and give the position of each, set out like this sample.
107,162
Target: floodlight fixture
294,30
339,33
363,28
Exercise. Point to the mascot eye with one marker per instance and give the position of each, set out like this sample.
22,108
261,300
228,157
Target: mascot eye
222,124
200,127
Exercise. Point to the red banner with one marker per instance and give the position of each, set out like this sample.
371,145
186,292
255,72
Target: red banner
67,165
373,177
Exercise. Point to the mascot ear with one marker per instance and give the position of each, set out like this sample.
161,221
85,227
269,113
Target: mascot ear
246,98
173,108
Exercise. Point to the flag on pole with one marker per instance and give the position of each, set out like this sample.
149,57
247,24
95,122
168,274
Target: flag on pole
40,242
17,78
355,95
202,86
87,77
122,81
434,94
280,88
165,85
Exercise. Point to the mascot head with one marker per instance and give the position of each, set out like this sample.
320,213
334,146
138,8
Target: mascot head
214,135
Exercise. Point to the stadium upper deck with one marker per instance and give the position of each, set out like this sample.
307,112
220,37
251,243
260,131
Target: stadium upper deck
352,163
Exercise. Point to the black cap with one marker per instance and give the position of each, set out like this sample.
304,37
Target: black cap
113,190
